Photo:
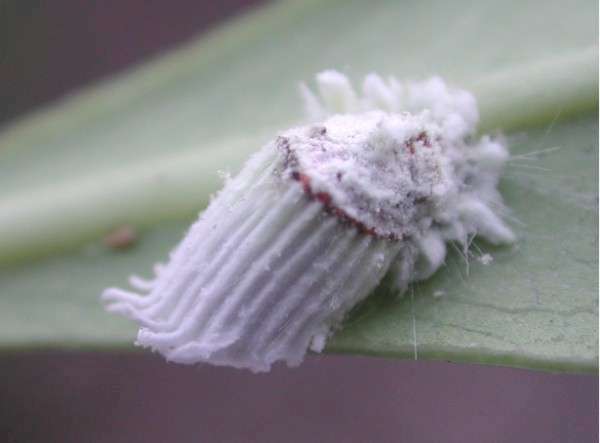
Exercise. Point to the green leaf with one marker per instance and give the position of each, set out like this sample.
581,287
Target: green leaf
144,148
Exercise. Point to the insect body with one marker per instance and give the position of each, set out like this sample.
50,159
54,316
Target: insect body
316,218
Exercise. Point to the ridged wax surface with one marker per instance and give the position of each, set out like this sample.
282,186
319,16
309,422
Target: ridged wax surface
264,273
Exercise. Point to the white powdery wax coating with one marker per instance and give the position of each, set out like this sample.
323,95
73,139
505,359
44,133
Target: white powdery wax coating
381,170
313,222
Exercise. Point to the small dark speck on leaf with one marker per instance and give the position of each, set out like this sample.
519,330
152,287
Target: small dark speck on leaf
122,237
